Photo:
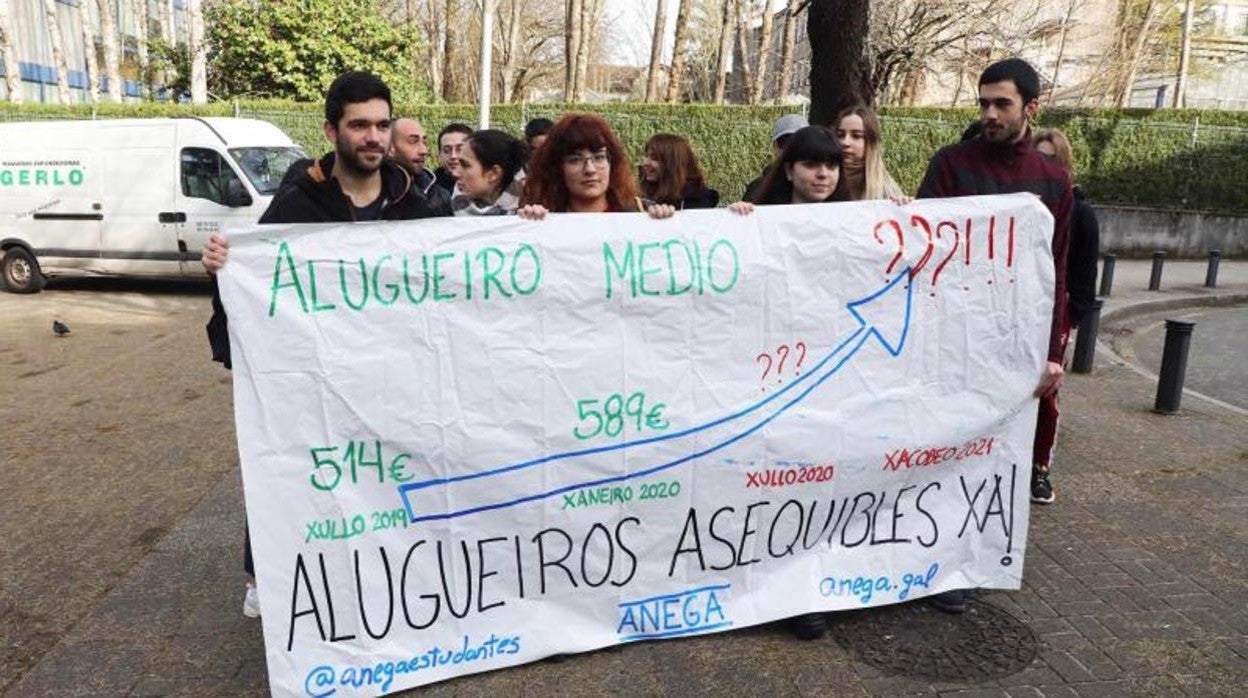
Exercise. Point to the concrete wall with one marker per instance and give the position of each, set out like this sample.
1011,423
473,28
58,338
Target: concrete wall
1137,232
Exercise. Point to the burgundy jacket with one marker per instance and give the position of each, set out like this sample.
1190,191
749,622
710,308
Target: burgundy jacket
980,167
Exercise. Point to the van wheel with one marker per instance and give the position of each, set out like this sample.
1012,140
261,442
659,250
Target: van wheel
20,271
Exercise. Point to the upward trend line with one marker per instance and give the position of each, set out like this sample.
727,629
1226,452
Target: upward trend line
500,492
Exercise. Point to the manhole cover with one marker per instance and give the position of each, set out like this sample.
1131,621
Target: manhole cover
916,640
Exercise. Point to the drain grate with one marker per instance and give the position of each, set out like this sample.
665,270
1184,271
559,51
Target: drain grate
916,640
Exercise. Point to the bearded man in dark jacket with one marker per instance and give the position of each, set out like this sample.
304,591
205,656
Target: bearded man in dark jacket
355,182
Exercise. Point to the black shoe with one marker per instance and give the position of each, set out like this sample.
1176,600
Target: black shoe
808,626
1041,488
954,601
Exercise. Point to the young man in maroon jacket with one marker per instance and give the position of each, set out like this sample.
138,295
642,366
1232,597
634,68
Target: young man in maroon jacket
1001,160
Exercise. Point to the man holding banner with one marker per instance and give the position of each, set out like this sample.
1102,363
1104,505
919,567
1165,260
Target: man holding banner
354,182
1001,160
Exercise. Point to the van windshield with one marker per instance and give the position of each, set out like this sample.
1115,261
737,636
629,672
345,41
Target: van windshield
265,167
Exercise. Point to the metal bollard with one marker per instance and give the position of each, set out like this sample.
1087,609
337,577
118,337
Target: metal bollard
1173,366
1211,275
1085,340
1154,281
1107,274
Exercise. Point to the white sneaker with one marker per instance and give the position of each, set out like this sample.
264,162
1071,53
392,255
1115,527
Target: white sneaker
251,602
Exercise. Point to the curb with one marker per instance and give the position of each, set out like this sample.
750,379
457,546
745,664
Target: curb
1135,310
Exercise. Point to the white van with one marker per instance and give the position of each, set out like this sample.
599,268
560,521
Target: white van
129,196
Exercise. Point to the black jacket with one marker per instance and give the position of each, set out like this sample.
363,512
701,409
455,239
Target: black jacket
698,195
426,182
310,195
1085,249
694,195
444,181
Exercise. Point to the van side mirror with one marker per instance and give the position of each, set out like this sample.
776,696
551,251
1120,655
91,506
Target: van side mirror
236,195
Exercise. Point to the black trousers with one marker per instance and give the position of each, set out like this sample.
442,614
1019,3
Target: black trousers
248,564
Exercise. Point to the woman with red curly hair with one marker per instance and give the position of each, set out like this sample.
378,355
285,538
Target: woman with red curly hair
582,168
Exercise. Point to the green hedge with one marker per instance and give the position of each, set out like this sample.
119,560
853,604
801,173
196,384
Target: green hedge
1170,159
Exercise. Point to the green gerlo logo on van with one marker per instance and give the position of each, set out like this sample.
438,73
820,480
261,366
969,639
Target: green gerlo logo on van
41,177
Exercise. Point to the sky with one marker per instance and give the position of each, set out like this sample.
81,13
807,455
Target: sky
632,22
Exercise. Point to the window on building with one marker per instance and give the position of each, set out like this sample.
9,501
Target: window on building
206,175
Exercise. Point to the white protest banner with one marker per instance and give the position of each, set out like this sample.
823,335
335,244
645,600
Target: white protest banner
472,443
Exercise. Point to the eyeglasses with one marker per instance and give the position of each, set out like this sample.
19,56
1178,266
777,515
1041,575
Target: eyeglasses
579,160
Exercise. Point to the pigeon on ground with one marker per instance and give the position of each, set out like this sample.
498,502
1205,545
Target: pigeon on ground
60,328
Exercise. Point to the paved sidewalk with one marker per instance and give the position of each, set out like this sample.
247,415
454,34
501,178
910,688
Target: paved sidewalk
1135,583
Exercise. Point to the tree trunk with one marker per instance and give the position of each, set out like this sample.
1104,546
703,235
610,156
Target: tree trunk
676,78
744,8
764,52
1185,54
786,50
8,52
451,82
514,33
1061,47
840,73
656,52
583,54
112,58
199,52
58,52
1137,54
143,19
88,49
962,68
435,51
725,51
164,17
572,44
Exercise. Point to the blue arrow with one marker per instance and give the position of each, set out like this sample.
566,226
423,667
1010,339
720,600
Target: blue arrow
888,328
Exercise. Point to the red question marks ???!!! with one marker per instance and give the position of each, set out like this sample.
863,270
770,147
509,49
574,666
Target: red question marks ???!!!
946,233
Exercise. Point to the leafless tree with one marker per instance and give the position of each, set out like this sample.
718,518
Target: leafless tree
745,12
112,55
725,50
198,49
1185,54
791,13
587,48
454,55
1136,54
764,51
572,43
58,51
165,18
8,52
433,28
680,52
656,51
910,39
511,36
142,18
88,49
539,51
1068,15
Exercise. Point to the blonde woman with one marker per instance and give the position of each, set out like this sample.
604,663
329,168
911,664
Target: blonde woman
862,170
